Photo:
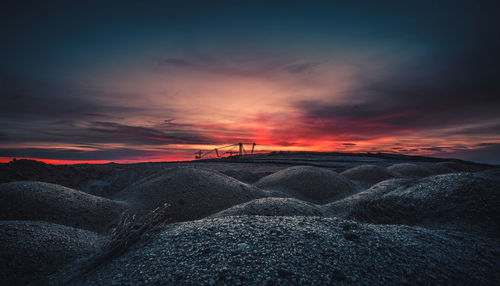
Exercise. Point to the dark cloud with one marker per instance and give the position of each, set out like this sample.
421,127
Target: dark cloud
462,89
483,129
33,111
169,122
484,153
99,132
147,135
454,83
73,154
27,99
285,143
176,62
299,68
203,63
439,149
162,65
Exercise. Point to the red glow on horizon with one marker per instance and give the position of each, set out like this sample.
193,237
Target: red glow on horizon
121,161
187,155
55,161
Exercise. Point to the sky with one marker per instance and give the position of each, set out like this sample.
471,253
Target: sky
133,81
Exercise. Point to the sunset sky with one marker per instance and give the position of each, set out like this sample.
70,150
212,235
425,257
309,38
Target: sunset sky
130,81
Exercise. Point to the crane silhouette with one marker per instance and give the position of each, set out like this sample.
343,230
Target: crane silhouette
229,150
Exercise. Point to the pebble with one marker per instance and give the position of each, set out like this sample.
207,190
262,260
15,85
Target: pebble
242,245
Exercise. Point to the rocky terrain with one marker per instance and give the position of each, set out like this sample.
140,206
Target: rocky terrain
301,250
32,249
54,203
308,183
274,219
191,192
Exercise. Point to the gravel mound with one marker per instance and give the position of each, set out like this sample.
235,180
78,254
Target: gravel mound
458,201
307,183
70,176
437,169
493,172
109,186
408,170
254,250
245,176
29,251
40,201
343,207
458,167
192,193
367,173
275,207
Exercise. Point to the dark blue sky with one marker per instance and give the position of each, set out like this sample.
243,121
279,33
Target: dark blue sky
153,80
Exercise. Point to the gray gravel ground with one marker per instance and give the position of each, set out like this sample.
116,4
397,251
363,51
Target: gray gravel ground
256,250
439,169
367,173
437,230
275,207
460,167
343,207
409,170
31,250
